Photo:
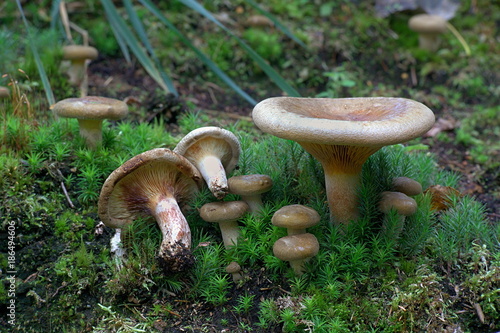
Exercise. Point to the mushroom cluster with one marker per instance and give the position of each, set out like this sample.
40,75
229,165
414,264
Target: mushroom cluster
341,134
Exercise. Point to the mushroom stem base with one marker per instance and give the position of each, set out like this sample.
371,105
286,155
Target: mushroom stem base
214,174
342,193
91,131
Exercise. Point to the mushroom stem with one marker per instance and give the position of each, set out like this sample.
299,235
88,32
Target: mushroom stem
176,243
214,174
91,131
230,232
76,72
342,166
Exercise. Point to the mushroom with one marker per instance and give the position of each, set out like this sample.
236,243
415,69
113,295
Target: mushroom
406,185
250,188
296,218
401,203
235,269
296,249
154,183
428,27
90,112
4,92
226,214
341,134
78,55
215,152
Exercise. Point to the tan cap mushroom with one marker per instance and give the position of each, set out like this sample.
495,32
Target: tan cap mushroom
90,112
402,204
226,214
296,249
406,185
341,134
250,188
235,269
215,152
78,55
428,27
296,218
153,183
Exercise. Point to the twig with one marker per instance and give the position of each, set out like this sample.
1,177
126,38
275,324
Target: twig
67,196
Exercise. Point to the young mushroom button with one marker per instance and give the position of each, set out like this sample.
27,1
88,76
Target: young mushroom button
250,188
296,249
226,214
215,152
90,112
341,134
296,218
153,184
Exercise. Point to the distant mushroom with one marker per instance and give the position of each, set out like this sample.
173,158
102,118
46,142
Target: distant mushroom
406,185
296,249
90,112
154,183
250,188
428,27
215,152
226,214
4,92
401,203
295,218
341,134
235,269
78,55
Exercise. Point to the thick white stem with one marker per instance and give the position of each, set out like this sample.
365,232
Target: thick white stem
176,243
230,232
254,203
342,194
214,174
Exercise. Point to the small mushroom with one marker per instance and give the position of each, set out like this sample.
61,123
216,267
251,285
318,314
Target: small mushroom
295,218
428,27
401,203
341,134
215,152
250,188
296,249
78,55
235,269
406,185
226,214
154,183
4,92
90,112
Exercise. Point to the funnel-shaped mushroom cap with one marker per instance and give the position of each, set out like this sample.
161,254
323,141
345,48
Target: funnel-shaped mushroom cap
79,52
154,183
215,152
370,121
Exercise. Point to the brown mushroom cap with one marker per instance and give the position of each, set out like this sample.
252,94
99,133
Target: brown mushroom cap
407,186
4,92
79,52
233,267
296,247
425,23
403,204
295,217
250,184
91,107
360,121
223,211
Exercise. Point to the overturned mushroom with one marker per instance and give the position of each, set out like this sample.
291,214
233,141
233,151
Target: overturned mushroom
341,134
226,214
153,183
215,152
295,218
90,112
296,249
250,188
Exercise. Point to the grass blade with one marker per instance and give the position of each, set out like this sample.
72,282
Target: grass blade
278,24
270,72
209,63
121,28
41,70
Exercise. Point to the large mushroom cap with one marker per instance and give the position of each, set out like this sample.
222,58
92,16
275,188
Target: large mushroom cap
425,23
214,140
79,52
129,190
362,121
91,107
